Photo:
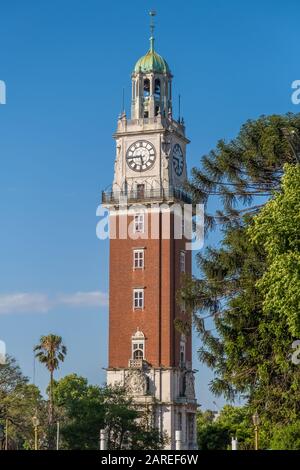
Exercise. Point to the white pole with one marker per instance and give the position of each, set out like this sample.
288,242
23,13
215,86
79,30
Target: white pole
234,443
57,435
103,439
178,440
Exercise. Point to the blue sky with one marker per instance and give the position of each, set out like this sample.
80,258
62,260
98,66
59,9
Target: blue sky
65,64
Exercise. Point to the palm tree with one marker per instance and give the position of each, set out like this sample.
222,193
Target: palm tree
51,351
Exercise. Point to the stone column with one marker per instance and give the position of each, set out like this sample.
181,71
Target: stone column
103,439
234,443
178,440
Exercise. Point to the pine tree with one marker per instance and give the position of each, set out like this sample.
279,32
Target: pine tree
245,340
245,171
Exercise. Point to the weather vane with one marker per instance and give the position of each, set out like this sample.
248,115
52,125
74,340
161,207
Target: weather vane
152,13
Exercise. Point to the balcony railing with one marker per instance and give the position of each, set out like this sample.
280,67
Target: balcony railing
157,120
142,121
136,363
147,195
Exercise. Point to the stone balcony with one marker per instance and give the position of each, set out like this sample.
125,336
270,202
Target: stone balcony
136,363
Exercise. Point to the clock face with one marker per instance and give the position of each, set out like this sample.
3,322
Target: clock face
140,156
178,160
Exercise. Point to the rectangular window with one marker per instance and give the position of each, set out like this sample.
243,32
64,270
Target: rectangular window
140,189
138,298
138,351
138,259
182,262
137,345
139,222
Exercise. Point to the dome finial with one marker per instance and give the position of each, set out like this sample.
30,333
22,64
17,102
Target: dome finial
152,13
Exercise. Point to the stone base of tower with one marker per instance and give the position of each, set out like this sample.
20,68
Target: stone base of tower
169,393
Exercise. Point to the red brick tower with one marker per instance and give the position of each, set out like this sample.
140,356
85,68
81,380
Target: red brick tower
147,259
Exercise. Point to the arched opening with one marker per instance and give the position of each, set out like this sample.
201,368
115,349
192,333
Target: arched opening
157,88
146,87
182,385
181,357
138,346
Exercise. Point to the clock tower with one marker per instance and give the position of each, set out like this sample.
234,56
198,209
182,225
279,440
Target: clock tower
147,354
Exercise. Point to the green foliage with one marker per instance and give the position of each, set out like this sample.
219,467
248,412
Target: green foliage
85,409
246,304
286,438
216,431
80,410
250,347
238,422
19,402
211,435
129,426
51,351
277,229
246,168
229,296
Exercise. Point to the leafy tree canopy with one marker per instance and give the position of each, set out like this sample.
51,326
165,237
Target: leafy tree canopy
286,438
19,402
84,409
277,229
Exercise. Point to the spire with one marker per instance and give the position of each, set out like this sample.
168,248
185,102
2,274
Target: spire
152,13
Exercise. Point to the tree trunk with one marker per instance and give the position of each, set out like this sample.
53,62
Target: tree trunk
51,399
50,414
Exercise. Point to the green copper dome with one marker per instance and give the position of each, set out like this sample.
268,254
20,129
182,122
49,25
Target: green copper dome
152,62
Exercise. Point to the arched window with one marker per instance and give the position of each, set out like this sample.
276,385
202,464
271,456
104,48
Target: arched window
138,345
182,385
138,354
157,88
146,87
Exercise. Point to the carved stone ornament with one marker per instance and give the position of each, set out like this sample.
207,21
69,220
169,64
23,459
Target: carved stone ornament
136,382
